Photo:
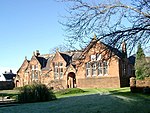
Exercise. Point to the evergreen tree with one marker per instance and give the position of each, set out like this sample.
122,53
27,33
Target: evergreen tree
140,53
140,62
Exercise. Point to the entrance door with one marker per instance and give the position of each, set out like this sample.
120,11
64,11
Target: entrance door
71,80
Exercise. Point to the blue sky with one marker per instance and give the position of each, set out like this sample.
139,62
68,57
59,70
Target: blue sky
26,26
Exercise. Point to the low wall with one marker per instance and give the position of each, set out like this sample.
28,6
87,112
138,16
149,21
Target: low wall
140,85
103,82
6,85
57,84
143,83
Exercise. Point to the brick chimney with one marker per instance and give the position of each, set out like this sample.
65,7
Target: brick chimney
124,49
33,53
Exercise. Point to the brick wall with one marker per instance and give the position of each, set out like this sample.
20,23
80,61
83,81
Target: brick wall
103,82
57,84
140,85
5,85
143,83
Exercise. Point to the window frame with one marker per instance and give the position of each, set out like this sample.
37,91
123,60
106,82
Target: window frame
99,68
105,68
94,69
88,69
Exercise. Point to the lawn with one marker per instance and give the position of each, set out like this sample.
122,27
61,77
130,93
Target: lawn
87,101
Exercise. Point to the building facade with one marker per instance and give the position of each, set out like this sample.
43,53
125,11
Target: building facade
97,66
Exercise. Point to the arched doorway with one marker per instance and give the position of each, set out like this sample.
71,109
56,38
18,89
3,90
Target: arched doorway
71,80
17,83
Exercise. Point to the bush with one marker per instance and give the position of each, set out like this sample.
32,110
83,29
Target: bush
35,93
70,91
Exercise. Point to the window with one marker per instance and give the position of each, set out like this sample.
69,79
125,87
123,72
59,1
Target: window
58,70
36,75
36,67
123,69
98,56
99,68
105,68
60,64
87,69
32,67
94,69
93,57
32,74
61,69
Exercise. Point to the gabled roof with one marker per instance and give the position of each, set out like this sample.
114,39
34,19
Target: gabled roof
48,63
108,47
132,59
114,50
66,57
42,61
28,61
71,66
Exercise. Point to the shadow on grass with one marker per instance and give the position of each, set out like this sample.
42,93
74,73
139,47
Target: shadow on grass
92,103
9,104
7,94
97,103
129,94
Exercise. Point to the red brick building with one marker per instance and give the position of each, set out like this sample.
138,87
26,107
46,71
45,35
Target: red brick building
97,66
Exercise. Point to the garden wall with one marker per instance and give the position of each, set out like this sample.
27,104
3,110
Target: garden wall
6,85
57,84
140,85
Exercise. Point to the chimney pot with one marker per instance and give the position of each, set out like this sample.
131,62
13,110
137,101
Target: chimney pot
37,53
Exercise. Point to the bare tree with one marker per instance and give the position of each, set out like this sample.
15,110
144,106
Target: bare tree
113,21
61,48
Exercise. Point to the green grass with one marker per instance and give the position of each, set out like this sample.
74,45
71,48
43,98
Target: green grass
69,92
88,101
11,93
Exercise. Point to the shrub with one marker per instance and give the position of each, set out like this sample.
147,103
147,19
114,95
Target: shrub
35,93
70,91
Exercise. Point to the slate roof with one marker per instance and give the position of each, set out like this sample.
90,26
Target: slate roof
9,75
67,58
108,47
42,61
132,59
70,56
47,67
114,50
